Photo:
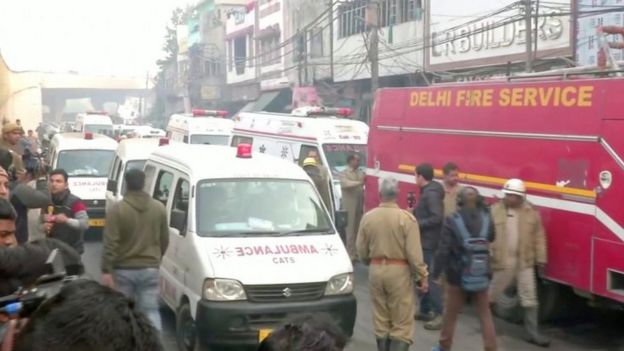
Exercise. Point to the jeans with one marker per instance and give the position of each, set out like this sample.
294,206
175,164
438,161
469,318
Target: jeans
432,300
142,286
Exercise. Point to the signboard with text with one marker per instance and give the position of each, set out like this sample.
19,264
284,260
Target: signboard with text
476,33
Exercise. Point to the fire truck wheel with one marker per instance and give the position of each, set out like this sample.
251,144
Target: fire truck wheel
508,306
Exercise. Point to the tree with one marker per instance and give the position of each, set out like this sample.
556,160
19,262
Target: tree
179,16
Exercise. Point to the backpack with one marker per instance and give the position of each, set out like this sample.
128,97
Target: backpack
475,257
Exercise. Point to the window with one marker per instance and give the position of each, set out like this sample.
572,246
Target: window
86,163
337,155
259,207
305,153
208,139
237,139
181,202
240,54
163,187
114,171
212,67
351,17
270,53
134,164
150,171
316,43
410,10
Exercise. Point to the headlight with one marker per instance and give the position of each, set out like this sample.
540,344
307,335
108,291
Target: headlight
340,285
223,290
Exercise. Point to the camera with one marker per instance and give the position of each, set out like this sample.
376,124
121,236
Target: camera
46,286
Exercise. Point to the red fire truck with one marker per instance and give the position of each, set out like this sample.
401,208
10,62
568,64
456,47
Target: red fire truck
563,137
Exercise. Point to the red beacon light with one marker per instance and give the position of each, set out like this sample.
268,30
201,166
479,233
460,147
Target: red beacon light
208,113
88,136
163,142
243,151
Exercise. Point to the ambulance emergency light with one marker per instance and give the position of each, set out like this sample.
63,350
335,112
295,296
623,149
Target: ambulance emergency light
243,151
208,113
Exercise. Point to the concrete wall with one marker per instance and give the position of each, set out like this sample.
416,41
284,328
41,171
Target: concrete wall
5,87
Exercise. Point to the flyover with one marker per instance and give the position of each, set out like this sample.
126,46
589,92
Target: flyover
35,96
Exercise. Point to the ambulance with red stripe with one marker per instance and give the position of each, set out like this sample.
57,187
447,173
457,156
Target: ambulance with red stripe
563,137
327,131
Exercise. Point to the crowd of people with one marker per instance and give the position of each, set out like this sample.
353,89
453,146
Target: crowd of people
450,247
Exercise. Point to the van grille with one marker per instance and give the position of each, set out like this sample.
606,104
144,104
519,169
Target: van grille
285,292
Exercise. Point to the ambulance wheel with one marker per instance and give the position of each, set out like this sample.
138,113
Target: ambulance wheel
508,306
186,333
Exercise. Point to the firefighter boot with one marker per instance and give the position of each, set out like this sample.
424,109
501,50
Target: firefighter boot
531,317
383,344
398,345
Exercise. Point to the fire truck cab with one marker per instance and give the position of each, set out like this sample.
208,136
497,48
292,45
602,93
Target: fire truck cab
563,137
292,137
200,127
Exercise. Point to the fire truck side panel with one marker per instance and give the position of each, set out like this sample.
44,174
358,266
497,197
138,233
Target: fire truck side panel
556,149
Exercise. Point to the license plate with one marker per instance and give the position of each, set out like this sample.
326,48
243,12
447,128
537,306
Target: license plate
263,334
96,222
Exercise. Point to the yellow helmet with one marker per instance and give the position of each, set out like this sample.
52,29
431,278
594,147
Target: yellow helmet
309,161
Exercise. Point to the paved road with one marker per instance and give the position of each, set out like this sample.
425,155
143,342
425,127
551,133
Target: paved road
591,333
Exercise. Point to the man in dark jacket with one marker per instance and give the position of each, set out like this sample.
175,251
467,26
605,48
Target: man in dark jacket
136,237
21,265
69,219
430,212
450,260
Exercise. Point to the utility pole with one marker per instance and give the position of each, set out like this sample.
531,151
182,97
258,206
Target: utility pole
330,18
256,40
528,33
536,38
373,46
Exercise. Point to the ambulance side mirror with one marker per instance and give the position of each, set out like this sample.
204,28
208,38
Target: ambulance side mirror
112,186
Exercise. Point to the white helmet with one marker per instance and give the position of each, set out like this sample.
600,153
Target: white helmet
514,186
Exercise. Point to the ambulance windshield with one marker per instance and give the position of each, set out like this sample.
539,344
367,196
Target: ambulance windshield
260,207
210,139
337,155
86,163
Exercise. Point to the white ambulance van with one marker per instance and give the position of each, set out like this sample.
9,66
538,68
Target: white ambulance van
251,245
131,153
292,137
200,127
94,122
87,158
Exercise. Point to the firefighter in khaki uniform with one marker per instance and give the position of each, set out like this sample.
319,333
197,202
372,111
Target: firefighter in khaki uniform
519,247
389,240
352,185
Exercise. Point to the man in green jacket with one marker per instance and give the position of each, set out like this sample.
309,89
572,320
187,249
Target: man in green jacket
136,237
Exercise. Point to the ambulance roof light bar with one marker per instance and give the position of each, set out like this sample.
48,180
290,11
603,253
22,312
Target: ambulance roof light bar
243,151
208,113
311,111
163,142
88,136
